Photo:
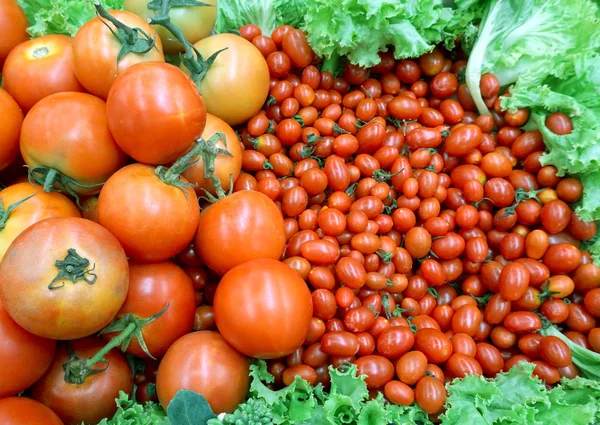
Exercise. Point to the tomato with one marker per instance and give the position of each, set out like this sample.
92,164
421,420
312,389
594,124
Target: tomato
155,112
340,343
151,288
303,371
14,24
556,216
587,277
22,410
10,129
273,321
411,367
40,67
226,168
225,224
434,344
378,369
449,246
592,302
297,48
95,43
395,342
579,320
430,394
33,352
47,299
37,208
555,351
490,359
462,140
466,320
562,258
137,207
514,281
237,83
69,132
546,372
418,242
359,319
93,400
399,393
460,365
196,22
203,362
522,321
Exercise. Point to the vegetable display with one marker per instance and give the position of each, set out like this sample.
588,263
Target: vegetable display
343,212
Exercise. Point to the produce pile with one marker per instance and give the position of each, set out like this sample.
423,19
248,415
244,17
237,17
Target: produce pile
299,212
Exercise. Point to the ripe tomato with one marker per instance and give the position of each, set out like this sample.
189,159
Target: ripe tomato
246,219
237,83
562,258
430,394
460,365
196,22
93,400
10,128
466,320
274,318
399,393
555,351
41,206
490,359
378,369
13,24
463,140
203,362
395,341
151,288
155,112
522,321
340,343
47,299
22,410
34,354
411,367
95,44
227,168
68,132
434,344
40,67
514,281
139,209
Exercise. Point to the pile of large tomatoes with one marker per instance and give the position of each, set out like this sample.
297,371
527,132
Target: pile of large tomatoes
370,218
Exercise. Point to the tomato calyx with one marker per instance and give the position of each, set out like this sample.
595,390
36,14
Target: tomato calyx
270,101
192,58
133,40
52,179
383,176
386,305
74,267
385,256
547,294
208,151
267,165
476,204
78,370
433,293
481,301
5,212
389,209
520,196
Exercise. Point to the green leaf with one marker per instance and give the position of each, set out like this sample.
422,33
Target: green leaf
189,408
132,413
345,382
61,16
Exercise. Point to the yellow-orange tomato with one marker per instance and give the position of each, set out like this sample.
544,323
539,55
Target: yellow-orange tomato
10,129
13,27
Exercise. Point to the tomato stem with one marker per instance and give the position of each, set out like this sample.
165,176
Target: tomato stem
115,342
74,267
5,213
52,179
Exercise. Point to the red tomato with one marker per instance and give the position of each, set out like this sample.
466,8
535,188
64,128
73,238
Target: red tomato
274,318
151,288
137,206
490,359
463,140
33,353
13,25
434,344
555,351
522,321
155,112
10,129
379,370
95,43
203,362
22,410
430,394
78,263
226,224
92,400
68,132
340,343
40,67
411,367
460,365
395,341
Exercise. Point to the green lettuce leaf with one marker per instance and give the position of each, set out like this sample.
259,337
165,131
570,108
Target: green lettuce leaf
360,29
61,16
267,14
131,413
517,37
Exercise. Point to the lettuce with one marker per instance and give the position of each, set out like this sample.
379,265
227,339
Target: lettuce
267,14
360,29
131,413
61,16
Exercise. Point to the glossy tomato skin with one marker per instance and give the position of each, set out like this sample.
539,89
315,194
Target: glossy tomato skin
10,129
378,369
151,288
69,132
155,112
203,362
237,83
139,209
195,22
246,219
33,353
22,410
430,394
40,67
57,313
13,25
95,44
93,400
274,319
227,168
434,344
41,206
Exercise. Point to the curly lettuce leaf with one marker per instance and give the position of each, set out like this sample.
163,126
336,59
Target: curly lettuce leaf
360,29
517,37
131,413
267,14
61,16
